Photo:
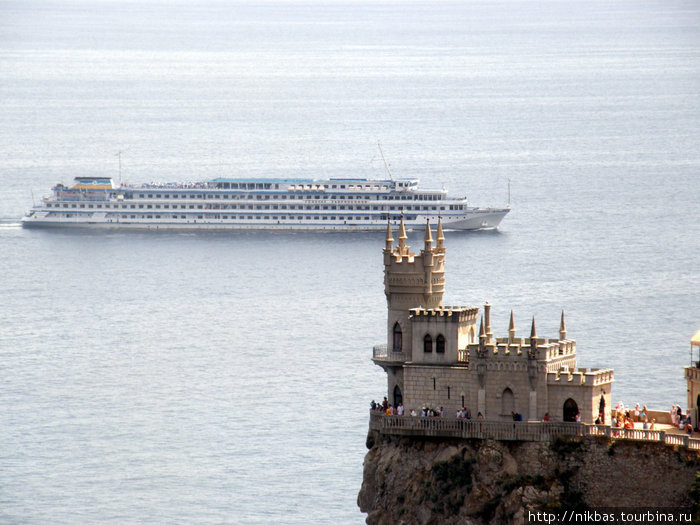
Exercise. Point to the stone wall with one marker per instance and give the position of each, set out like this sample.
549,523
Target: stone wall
429,481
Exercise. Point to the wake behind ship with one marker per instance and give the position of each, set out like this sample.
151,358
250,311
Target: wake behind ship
256,204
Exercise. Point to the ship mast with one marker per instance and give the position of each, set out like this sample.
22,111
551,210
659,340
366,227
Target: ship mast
386,166
119,154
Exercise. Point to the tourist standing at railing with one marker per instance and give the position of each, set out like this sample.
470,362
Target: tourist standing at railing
399,409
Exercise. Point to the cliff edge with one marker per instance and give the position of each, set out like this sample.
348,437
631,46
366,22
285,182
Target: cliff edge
412,481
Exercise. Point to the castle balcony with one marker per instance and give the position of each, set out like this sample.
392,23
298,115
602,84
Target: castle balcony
381,353
556,348
692,373
463,356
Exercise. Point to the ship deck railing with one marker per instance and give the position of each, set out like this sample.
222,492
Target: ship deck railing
449,427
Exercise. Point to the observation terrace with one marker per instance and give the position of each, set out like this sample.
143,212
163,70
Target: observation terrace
446,427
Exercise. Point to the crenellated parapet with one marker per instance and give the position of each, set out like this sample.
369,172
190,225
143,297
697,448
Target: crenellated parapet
582,376
457,314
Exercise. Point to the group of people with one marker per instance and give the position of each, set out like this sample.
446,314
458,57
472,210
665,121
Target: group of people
682,421
625,417
390,410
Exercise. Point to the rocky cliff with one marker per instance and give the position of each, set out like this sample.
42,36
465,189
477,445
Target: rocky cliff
422,481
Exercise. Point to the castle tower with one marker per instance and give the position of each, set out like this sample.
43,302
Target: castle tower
410,281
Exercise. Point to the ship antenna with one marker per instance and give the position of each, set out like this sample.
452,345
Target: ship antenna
386,166
508,192
119,154
33,201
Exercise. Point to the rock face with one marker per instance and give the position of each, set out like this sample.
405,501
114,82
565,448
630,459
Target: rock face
415,481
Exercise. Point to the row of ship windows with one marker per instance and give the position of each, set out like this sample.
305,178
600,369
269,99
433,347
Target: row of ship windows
417,197
243,207
249,217
269,186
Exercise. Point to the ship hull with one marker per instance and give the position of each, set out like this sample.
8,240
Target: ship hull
484,219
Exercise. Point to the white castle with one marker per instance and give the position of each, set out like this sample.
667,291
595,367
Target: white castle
443,356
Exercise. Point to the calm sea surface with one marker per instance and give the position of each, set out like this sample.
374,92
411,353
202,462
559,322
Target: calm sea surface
225,377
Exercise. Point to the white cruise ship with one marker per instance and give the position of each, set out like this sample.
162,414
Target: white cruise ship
256,204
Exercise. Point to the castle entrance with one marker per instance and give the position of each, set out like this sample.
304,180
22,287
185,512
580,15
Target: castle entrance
398,398
570,410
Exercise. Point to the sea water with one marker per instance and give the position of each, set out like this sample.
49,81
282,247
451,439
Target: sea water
226,377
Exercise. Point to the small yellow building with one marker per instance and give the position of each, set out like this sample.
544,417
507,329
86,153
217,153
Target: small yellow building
692,377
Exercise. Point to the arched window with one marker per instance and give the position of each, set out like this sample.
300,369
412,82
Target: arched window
507,402
440,344
398,338
570,410
398,398
427,344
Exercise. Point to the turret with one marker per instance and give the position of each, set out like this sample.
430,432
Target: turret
562,328
389,238
511,329
410,280
428,238
487,315
403,249
533,335
482,336
440,244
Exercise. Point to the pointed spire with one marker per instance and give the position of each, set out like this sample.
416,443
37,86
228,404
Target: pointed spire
440,244
428,237
533,334
389,237
487,315
402,237
482,334
533,331
562,327
511,328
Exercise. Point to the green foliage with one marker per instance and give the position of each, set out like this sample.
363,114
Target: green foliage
457,472
489,509
538,481
694,497
570,499
564,446
451,481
